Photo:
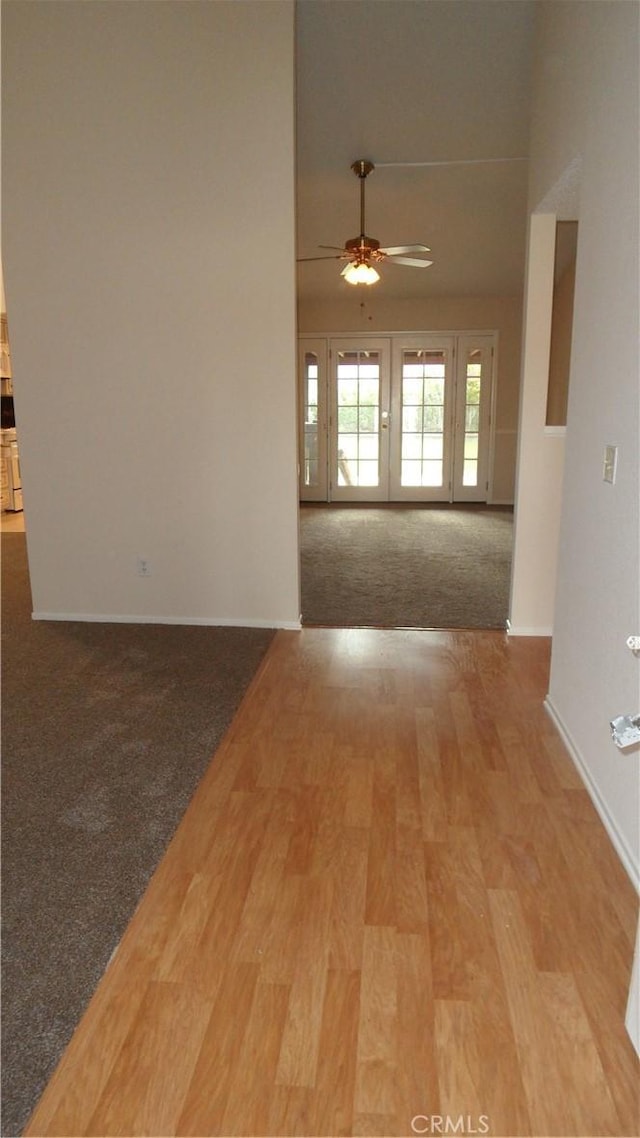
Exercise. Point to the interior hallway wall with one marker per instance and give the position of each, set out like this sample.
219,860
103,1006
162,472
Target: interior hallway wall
586,108
154,357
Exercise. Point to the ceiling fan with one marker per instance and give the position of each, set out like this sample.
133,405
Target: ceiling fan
362,253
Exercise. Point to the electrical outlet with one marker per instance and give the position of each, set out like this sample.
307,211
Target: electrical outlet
143,567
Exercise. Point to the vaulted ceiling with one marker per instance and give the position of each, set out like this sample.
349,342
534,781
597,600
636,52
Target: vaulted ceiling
415,81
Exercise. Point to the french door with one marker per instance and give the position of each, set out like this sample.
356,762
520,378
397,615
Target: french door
421,416
359,421
397,418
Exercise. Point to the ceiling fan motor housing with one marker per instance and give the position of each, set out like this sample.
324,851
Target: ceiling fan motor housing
364,247
362,167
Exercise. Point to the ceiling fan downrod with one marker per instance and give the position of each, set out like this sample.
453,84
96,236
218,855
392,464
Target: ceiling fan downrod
362,246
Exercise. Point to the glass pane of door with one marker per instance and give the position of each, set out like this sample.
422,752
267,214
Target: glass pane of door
312,402
472,387
358,419
472,423
422,427
360,411
310,397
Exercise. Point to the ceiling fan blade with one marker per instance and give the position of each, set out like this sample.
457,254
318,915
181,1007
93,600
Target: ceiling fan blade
395,249
336,257
413,261
338,248
451,162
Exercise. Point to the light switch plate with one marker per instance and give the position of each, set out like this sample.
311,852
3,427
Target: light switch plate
610,464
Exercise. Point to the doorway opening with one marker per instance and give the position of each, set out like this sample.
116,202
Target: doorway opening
395,482
564,280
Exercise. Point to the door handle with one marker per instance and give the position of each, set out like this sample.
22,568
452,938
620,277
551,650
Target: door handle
386,419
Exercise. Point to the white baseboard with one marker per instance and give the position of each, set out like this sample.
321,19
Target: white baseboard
619,843
213,622
522,630
632,1018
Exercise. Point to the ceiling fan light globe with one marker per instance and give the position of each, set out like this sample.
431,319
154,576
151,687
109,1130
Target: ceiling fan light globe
361,274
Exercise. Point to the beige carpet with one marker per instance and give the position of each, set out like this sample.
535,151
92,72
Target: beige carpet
106,732
406,566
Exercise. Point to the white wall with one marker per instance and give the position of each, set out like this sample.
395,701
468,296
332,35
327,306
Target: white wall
504,314
586,107
149,267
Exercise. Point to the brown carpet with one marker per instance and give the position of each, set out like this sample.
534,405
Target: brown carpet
106,732
406,566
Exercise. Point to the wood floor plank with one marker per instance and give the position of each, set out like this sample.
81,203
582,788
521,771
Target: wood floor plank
301,1036
433,809
418,1080
390,896
590,857
346,931
411,902
306,805
377,1047
328,844
336,1074
381,885
358,790
540,1076
256,918
290,1111
374,1125
460,809
617,1056
203,965
551,1032
205,1096
458,1049
530,770
158,1055
498,1068
594,1109
279,956
448,958
247,1105
189,926
492,846
408,798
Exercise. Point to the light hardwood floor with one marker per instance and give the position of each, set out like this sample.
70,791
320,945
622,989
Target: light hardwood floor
390,899
11,523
